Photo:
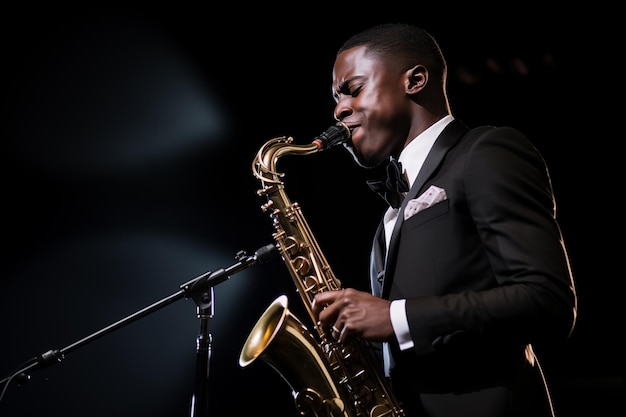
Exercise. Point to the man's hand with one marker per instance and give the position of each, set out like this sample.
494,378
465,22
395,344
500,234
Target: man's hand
349,314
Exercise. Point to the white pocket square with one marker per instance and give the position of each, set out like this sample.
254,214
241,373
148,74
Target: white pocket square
431,196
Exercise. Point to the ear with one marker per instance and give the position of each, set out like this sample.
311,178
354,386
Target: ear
416,79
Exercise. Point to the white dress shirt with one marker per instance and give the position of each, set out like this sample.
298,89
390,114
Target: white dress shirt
412,158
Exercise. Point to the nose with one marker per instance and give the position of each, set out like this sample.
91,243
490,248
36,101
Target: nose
342,110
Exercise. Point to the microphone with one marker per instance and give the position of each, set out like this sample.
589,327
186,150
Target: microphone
266,253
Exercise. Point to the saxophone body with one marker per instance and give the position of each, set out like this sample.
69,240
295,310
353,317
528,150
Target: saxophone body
327,378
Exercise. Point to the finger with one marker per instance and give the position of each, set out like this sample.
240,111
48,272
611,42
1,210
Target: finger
323,300
325,297
342,334
336,331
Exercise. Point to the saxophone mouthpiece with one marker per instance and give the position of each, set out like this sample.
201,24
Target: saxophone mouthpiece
332,136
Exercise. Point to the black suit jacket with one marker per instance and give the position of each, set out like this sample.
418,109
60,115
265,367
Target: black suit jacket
485,273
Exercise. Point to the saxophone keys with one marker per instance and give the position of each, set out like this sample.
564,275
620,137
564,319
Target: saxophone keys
310,403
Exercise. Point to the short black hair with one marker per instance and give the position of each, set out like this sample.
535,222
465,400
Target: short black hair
407,43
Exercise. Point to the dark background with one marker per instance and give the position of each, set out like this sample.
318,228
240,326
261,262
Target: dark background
128,143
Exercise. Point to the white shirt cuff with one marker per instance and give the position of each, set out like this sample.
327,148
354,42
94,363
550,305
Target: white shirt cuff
400,324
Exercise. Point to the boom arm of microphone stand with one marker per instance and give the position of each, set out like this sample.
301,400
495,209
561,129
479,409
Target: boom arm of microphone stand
194,288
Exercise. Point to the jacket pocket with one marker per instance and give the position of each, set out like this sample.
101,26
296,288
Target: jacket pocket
428,214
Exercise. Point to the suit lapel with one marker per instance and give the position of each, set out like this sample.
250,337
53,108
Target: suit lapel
447,139
377,261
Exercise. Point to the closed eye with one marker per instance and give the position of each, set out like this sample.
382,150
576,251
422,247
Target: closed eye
348,88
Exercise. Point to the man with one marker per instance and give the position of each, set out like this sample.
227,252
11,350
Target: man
470,270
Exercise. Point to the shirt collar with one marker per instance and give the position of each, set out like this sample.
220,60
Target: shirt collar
413,156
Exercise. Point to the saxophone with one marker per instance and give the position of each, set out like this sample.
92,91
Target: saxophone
327,378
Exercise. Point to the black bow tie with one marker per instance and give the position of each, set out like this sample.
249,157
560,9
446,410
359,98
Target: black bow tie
392,188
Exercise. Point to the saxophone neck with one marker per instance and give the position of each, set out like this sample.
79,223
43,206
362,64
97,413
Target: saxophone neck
265,164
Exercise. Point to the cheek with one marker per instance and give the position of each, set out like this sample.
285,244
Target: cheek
380,110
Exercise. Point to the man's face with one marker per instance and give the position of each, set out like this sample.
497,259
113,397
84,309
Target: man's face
371,98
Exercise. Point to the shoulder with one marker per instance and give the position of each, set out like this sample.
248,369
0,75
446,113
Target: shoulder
500,137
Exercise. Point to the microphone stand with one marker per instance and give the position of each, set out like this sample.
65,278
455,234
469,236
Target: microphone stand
200,398
200,289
